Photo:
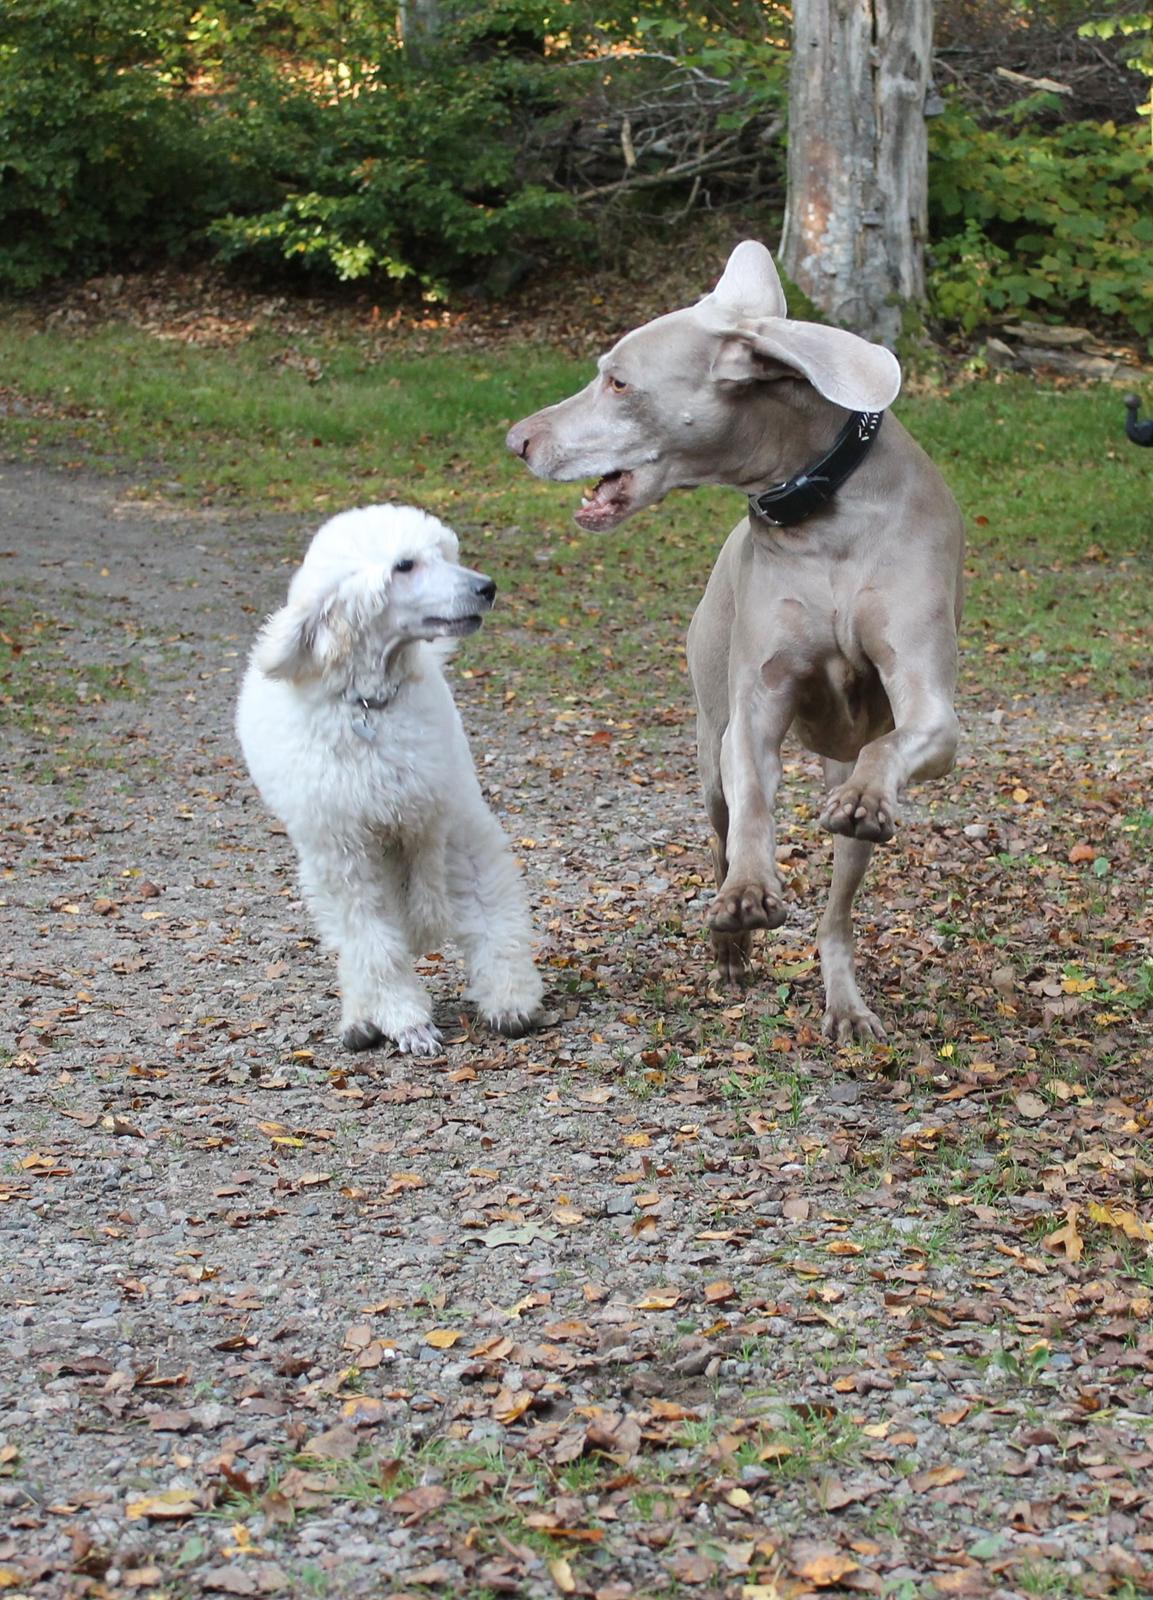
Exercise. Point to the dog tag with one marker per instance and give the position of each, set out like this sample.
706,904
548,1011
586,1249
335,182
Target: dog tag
364,729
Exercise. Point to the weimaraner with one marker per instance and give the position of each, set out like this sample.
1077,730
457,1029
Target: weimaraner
834,605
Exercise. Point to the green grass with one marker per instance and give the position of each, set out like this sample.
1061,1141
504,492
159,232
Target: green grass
1060,591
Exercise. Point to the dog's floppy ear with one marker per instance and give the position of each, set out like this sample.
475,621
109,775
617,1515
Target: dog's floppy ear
314,630
846,369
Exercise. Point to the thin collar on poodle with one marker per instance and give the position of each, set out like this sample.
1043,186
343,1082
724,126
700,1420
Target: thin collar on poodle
362,726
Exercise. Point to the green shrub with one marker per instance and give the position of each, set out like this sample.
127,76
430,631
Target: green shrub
98,145
1055,222
412,173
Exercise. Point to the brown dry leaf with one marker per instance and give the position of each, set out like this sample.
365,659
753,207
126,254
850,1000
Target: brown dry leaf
567,1216
935,1478
509,1407
842,1247
1030,1106
167,1505
659,1300
717,1293
953,1415
690,1566
421,1501
333,1444
820,1564
1067,1238
1081,852
122,1128
443,1338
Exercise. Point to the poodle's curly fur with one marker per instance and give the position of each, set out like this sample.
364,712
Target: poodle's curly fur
352,738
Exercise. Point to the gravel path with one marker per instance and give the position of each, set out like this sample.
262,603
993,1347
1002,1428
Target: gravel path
668,1298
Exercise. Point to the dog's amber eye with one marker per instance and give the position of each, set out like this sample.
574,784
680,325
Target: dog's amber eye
404,566
617,385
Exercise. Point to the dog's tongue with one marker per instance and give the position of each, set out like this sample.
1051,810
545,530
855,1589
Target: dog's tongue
602,505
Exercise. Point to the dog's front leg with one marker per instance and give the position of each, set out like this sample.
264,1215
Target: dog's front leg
751,894
361,918
917,664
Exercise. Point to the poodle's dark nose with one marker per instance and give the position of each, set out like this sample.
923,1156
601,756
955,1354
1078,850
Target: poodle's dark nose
486,589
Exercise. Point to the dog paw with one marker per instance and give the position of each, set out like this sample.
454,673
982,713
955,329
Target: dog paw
859,813
732,953
422,1039
512,1024
752,905
852,1024
361,1036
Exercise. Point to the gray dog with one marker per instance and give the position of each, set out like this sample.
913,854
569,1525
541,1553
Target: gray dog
833,607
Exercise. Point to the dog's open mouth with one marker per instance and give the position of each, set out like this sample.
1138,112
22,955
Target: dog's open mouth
608,503
454,626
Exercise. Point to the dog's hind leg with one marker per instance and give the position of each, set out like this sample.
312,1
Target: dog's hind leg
847,1017
359,916
491,922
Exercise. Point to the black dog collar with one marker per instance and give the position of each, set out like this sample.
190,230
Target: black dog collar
799,496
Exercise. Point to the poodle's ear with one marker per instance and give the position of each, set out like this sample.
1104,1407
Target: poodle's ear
846,369
446,541
313,633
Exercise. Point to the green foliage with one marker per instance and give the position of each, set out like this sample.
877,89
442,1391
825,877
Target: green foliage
1049,222
1136,27
98,136
400,172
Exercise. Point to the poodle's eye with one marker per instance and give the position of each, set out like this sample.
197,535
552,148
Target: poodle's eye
617,385
404,566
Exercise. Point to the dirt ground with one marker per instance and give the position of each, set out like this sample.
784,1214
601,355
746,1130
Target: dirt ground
668,1298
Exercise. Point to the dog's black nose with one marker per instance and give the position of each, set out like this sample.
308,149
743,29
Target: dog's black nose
486,589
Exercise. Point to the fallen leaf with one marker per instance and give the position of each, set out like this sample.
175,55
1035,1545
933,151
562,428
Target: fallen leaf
443,1338
561,1572
1031,1106
333,1444
820,1564
1128,1222
659,1300
935,1478
1066,1238
717,1293
167,1505
419,1502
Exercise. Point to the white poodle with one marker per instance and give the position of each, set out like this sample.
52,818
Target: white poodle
351,735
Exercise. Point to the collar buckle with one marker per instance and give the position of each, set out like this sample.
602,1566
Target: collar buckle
798,497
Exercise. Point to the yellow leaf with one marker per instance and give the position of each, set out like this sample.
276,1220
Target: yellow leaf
567,1216
843,1247
822,1565
169,1503
740,1498
443,1338
1078,985
12,1577
1128,1222
658,1302
637,1141
561,1571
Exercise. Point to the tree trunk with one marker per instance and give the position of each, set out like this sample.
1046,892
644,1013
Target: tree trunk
855,218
